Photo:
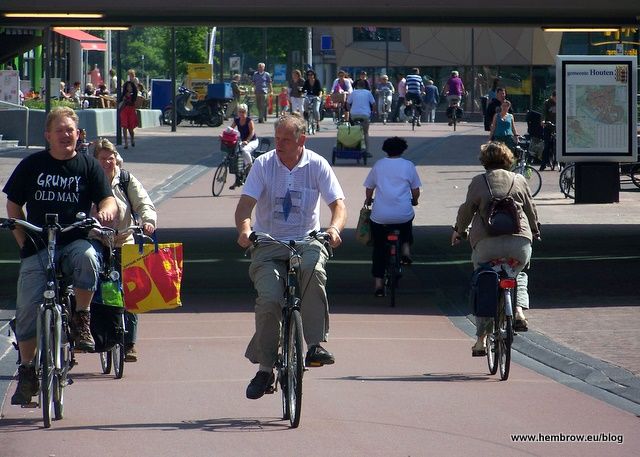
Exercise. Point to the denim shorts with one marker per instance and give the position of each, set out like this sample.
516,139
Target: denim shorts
78,260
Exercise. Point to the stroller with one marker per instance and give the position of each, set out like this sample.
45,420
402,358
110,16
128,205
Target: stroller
350,143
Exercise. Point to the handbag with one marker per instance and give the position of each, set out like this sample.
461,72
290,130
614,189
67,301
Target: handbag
363,229
151,276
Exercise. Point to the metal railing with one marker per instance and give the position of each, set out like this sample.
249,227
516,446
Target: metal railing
26,124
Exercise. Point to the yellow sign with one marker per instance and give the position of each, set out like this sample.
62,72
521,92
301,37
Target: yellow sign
200,70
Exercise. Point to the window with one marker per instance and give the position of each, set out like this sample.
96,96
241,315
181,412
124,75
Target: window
376,34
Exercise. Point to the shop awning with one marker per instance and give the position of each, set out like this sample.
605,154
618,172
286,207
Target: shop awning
87,41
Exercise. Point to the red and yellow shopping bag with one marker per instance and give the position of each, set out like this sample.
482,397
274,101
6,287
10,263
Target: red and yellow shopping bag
151,279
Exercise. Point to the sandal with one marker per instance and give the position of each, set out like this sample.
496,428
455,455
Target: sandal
479,350
379,293
406,260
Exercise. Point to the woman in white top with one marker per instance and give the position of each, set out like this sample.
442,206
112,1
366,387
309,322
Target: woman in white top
396,184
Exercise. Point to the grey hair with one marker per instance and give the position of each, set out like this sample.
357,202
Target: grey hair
294,121
104,144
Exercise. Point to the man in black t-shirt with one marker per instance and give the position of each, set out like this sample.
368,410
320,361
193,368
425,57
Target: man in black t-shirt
494,107
60,181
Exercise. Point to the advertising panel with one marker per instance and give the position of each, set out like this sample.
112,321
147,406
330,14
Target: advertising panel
597,108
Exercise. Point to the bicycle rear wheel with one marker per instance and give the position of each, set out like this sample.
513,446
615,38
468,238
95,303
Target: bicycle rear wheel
505,332
47,367
295,368
492,352
532,176
219,179
567,181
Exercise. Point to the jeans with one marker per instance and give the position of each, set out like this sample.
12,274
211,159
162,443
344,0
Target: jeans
78,260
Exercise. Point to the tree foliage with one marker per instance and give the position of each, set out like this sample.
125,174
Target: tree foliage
154,43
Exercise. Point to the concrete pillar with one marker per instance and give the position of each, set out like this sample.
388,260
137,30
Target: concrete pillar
75,63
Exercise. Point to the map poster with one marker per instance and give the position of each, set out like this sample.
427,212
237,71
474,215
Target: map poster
597,115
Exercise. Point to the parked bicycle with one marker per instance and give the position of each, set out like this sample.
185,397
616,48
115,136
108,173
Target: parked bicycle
567,179
523,168
290,361
500,339
55,349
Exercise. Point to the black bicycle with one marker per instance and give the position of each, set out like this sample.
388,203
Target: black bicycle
55,349
233,163
290,361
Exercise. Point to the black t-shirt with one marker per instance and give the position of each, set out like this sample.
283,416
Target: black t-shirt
64,187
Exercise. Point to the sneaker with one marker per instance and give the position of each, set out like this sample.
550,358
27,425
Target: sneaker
318,356
28,385
82,335
419,124
130,354
260,384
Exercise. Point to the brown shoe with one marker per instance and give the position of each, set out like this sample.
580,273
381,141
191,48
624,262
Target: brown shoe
130,354
82,334
28,385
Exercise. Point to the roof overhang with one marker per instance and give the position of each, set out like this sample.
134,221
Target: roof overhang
621,13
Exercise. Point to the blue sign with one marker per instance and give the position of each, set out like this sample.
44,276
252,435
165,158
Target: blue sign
280,72
326,43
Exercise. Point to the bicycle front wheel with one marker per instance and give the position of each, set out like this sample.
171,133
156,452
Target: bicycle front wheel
219,179
47,367
568,182
532,176
117,357
295,368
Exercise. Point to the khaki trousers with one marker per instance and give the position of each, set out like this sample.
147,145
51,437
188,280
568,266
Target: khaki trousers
268,273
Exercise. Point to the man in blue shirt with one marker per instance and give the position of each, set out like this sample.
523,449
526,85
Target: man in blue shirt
361,103
415,89
262,84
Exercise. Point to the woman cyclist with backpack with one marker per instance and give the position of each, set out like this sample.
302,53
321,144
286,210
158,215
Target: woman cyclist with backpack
498,182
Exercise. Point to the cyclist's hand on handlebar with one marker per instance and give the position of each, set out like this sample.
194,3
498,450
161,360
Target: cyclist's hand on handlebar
244,241
105,217
455,238
334,238
148,228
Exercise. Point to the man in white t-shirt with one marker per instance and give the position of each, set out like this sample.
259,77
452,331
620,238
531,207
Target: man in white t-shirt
285,186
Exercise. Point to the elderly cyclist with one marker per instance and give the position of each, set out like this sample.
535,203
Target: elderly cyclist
284,187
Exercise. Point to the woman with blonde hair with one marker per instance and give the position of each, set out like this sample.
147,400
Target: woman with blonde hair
498,181
133,202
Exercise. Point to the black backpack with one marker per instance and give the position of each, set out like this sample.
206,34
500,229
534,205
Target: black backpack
502,213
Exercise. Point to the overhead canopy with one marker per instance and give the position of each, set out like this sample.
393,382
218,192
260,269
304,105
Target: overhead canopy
333,12
87,41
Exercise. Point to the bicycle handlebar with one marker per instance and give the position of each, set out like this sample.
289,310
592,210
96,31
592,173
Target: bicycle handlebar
86,222
259,237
